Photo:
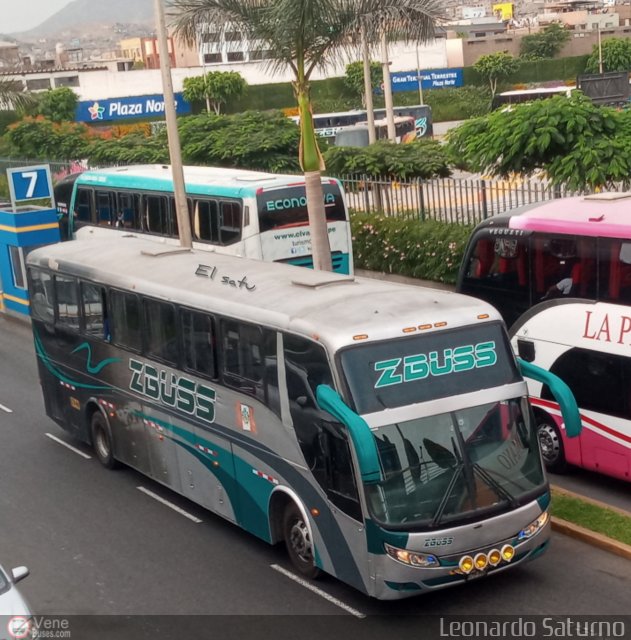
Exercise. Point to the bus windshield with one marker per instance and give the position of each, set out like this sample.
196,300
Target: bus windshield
426,367
448,467
287,207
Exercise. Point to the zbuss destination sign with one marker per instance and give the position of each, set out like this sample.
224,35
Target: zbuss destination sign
97,111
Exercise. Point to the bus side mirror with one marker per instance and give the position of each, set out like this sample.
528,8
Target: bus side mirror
561,392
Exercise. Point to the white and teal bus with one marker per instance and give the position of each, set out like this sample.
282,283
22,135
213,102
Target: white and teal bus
381,431
243,213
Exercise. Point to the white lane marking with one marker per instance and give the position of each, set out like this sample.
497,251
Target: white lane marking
322,594
68,446
155,496
6,409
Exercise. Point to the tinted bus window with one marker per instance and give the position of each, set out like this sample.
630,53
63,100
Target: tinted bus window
83,206
161,331
41,295
206,221
126,320
287,207
67,302
198,333
92,302
600,381
128,214
105,207
230,222
156,215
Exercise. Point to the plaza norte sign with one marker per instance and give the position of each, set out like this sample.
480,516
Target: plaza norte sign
431,79
112,109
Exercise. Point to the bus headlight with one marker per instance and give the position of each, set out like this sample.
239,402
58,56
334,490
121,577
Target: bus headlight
411,558
533,527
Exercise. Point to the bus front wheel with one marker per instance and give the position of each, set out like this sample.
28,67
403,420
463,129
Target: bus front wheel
102,441
298,542
551,445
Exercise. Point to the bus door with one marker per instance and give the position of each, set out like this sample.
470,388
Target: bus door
68,347
497,269
326,448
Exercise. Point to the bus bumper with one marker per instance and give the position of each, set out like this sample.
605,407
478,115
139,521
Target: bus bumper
393,580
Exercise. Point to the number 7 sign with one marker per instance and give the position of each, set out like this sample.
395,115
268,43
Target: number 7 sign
30,183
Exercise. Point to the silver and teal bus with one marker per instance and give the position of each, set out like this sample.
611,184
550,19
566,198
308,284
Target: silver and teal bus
381,431
243,213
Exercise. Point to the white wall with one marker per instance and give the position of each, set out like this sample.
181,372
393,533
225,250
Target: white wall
101,85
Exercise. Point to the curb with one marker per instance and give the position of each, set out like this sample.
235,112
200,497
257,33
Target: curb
591,537
586,535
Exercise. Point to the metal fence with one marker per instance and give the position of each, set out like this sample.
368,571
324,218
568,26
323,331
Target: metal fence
466,200
457,200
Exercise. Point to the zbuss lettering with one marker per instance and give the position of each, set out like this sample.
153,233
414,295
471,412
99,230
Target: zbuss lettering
423,365
173,390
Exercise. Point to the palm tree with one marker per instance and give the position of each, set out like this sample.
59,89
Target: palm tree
11,97
305,35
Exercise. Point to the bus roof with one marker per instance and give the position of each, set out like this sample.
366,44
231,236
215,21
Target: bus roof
601,214
198,179
332,307
539,91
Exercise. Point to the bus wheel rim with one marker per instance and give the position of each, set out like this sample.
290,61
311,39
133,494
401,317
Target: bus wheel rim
549,442
101,444
300,541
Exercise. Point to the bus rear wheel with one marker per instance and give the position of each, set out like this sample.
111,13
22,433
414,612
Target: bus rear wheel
298,542
102,441
551,445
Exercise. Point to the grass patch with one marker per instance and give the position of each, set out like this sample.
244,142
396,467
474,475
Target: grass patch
610,523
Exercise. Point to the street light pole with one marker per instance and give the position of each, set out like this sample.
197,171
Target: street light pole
387,89
418,77
370,113
175,153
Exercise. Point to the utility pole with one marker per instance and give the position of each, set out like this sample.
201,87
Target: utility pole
387,89
175,153
418,78
372,136
600,52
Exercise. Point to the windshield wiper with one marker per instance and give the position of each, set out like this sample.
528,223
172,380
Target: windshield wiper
443,503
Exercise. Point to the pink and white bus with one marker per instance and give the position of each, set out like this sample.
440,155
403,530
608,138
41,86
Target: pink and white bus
568,247
588,345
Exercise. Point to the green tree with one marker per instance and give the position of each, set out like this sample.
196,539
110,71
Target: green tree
39,138
494,66
354,78
304,35
252,140
577,144
58,105
616,56
547,43
134,148
215,87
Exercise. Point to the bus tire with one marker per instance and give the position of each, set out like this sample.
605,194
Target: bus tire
102,440
298,542
551,444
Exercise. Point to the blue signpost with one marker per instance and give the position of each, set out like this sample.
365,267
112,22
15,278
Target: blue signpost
430,79
23,225
127,108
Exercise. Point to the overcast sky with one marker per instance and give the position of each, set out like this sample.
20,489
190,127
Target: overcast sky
20,15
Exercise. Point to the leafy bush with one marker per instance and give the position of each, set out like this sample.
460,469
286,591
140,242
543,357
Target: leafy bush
428,249
419,159
266,141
